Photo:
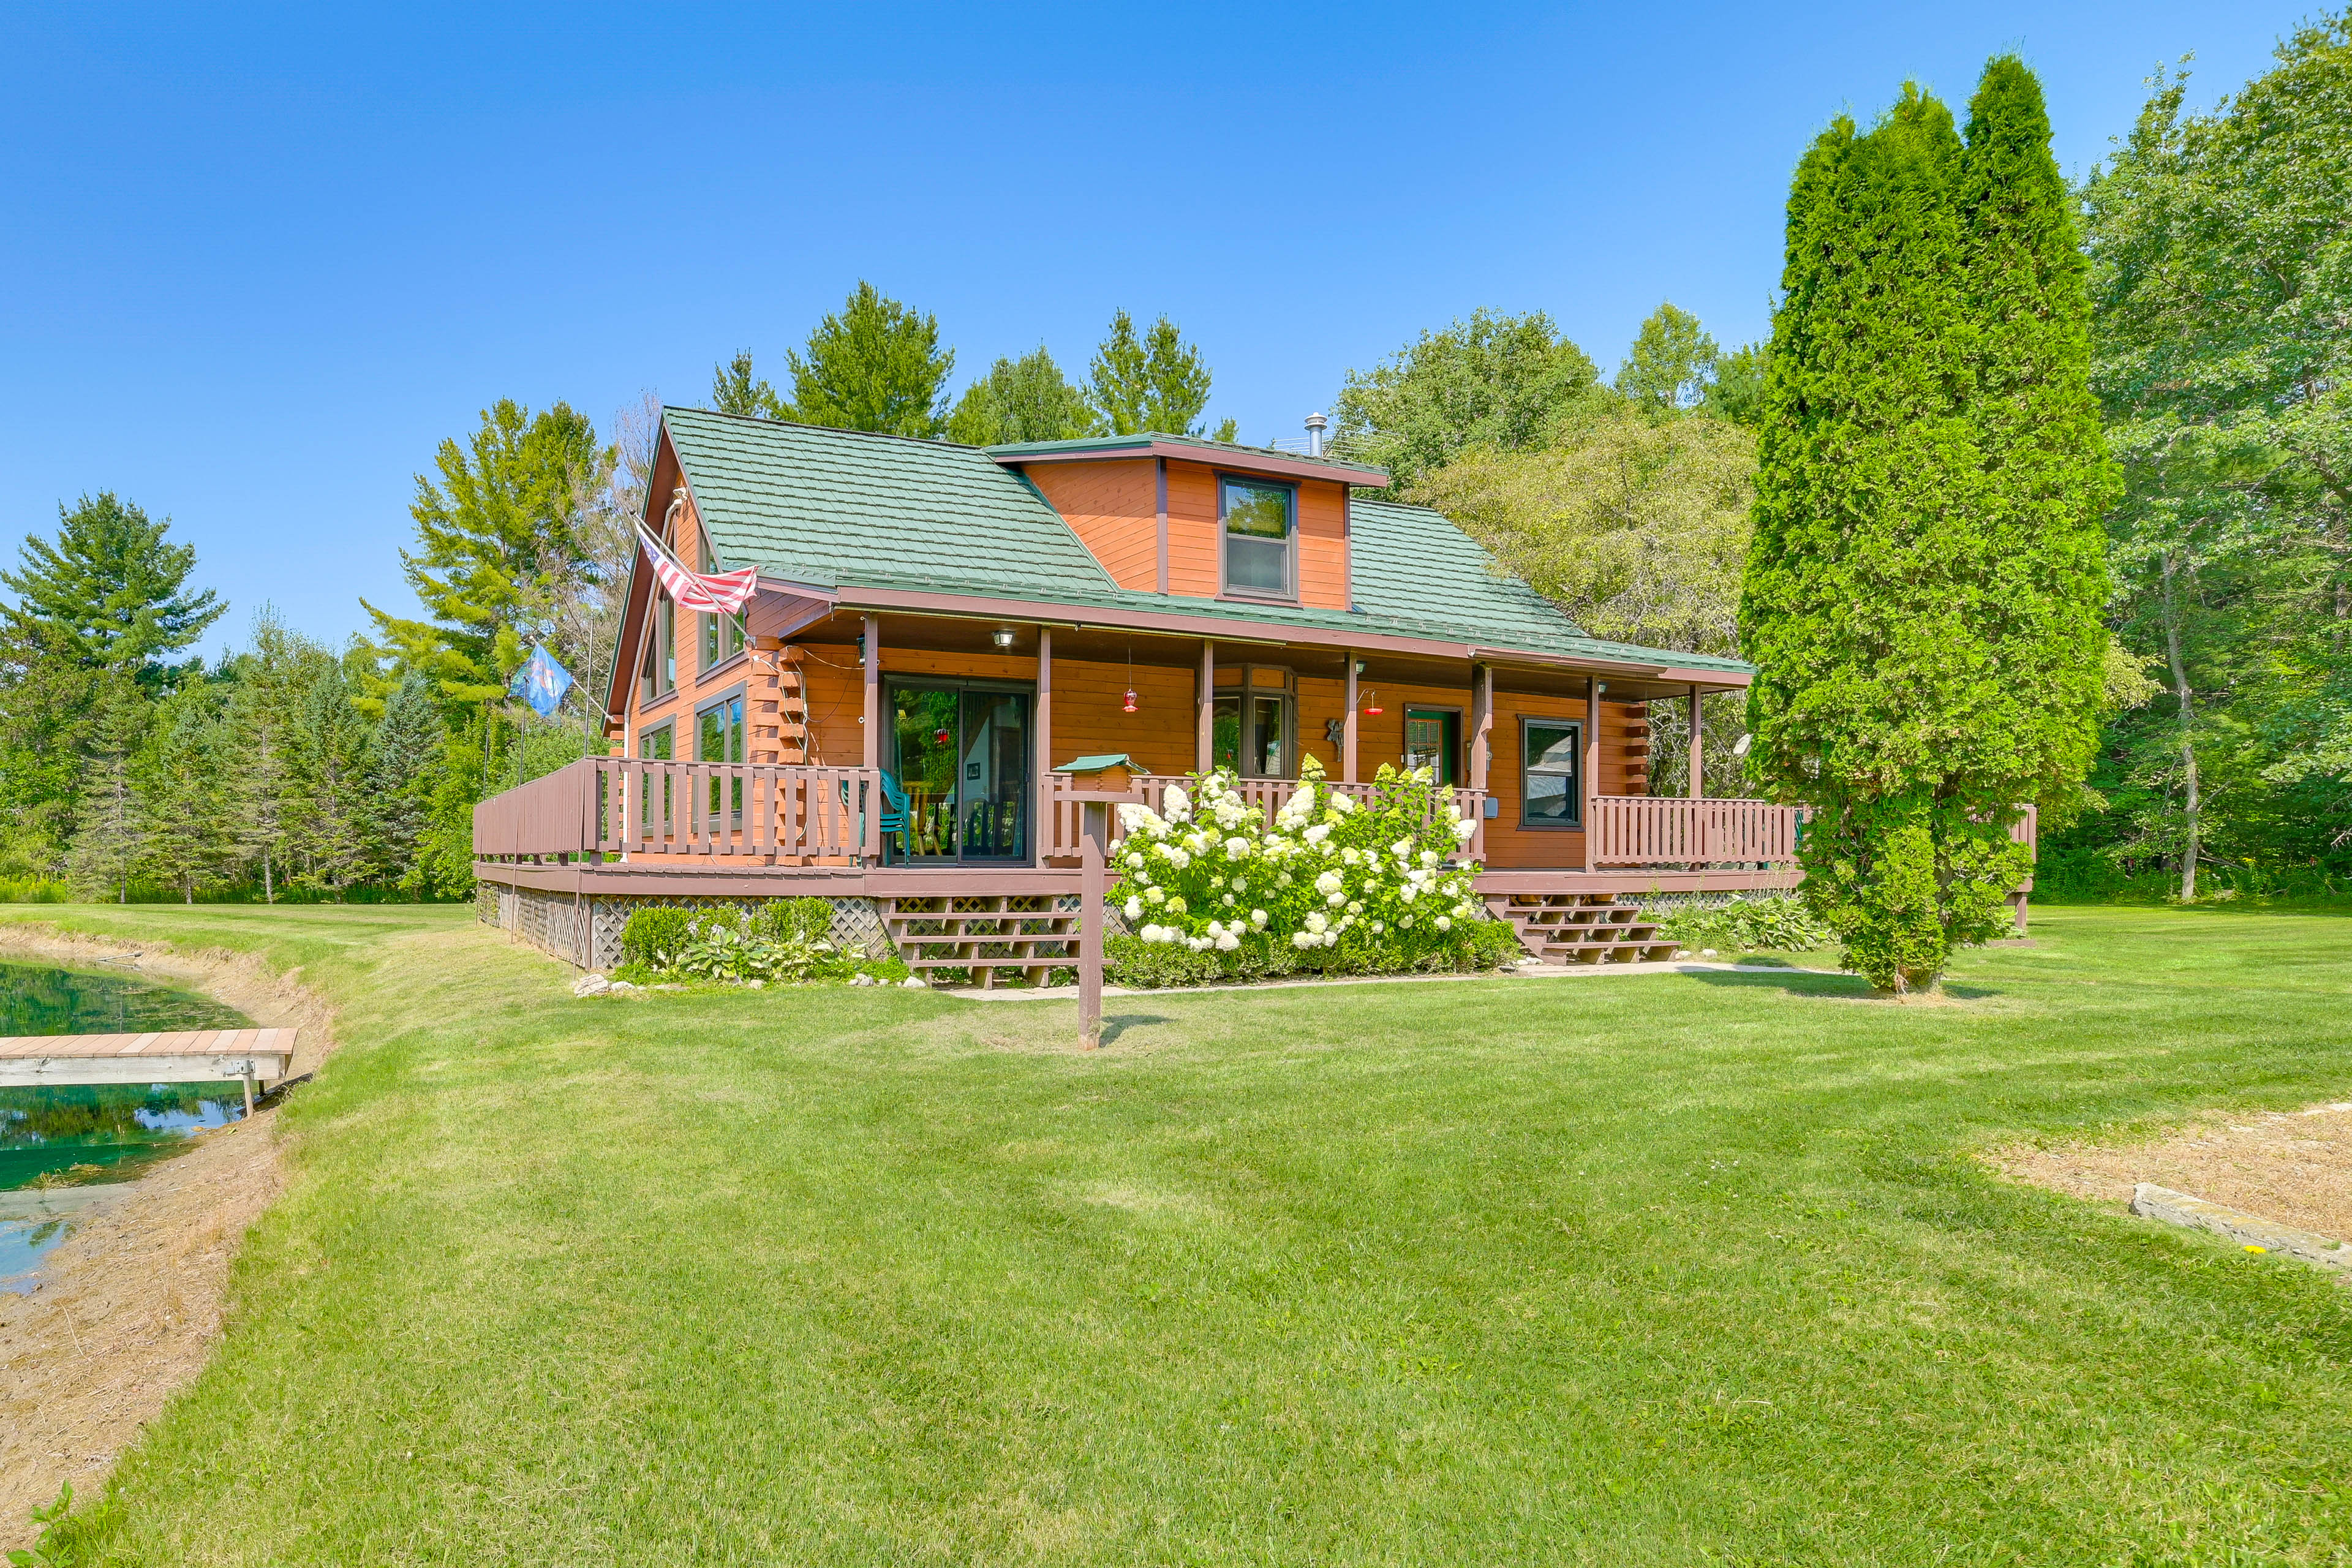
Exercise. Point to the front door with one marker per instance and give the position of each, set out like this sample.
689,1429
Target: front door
961,752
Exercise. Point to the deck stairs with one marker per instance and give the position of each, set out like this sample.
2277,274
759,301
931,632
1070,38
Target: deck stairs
1582,928
992,937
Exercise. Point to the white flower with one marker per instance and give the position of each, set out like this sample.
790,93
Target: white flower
1197,943
1329,883
1240,885
1465,830
1319,833
1231,811
1284,880
1408,891
1429,858
1149,933
1406,921
1378,928
1330,938
1216,929
1350,855
1176,806
1354,906
1301,939
1227,943
1132,909
1316,923
1237,847
1175,905
1258,918
1229,898
1155,895
1342,804
1401,849
1336,899
1445,922
1216,881
1177,859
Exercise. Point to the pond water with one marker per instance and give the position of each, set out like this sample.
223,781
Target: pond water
60,1138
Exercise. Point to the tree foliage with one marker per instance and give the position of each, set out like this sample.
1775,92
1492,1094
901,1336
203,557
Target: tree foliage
1024,399
1672,362
1495,380
873,365
1158,382
734,389
108,593
1924,586
2222,267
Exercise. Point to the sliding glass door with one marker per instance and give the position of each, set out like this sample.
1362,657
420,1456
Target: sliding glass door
961,752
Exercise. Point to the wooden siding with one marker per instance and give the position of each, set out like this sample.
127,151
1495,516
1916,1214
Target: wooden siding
1114,509
1194,545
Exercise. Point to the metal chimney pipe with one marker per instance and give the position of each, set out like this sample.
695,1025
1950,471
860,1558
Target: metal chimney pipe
1314,424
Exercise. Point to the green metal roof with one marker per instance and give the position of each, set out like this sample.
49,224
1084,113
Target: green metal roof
1111,445
843,509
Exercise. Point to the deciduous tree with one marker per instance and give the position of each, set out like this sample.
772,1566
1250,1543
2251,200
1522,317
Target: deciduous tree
1494,380
1671,364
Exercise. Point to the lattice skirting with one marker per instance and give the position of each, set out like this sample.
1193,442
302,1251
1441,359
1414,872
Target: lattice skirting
554,923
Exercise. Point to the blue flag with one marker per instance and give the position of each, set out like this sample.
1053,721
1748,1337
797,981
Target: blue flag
542,682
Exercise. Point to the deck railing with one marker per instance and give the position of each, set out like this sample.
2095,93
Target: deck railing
675,813
1269,795
1668,830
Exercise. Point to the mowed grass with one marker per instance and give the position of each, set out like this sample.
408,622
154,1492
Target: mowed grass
1658,1269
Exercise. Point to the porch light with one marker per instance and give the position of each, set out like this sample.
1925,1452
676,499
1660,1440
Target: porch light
1002,636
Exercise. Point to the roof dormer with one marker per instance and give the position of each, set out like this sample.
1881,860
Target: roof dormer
1201,519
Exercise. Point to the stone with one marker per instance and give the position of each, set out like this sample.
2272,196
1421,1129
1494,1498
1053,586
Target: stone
861,978
591,985
758,984
914,982
1709,953
2251,1231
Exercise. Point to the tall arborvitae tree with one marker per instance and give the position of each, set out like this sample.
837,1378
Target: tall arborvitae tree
1917,593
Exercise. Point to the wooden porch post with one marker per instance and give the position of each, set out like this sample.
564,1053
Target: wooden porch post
1592,769
1481,724
1697,754
1208,714
1042,829
873,691
1347,730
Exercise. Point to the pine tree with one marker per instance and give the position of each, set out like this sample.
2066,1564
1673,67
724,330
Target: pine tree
404,772
189,839
110,827
503,523
735,390
1158,382
333,835
1028,399
874,365
110,593
1914,609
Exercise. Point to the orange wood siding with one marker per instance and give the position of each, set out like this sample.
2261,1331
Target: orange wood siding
1323,545
1195,566
1192,530
1114,509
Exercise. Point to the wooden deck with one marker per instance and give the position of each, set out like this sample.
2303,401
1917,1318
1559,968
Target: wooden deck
186,1056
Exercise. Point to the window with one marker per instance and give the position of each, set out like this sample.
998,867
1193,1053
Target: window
718,738
961,754
722,638
1551,791
1258,528
1432,739
657,746
1250,734
659,675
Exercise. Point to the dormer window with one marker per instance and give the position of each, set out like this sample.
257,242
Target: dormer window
1261,538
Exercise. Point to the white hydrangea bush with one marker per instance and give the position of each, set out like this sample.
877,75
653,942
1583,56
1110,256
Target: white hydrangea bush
1341,885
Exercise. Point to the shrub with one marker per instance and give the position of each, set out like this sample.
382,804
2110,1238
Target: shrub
795,919
652,936
1348,888
1770,924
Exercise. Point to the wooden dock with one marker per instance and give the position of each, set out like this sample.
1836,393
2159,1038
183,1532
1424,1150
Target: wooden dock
255,1056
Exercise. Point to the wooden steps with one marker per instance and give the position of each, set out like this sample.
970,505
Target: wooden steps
1583,927
987,935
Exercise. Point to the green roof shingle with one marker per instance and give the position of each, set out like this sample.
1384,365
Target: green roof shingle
842,508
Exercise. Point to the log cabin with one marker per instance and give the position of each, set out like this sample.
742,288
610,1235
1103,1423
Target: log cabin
936,625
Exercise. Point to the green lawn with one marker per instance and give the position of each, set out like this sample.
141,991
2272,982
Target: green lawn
1657,1269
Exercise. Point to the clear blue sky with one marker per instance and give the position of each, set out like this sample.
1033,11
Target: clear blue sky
257,266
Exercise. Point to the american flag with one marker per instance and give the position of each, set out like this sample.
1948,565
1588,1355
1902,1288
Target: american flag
719,594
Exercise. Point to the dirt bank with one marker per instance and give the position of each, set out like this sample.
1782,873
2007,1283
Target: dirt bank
131,1302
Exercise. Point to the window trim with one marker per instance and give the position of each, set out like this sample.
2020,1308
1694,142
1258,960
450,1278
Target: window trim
1287,692
1461,728
740,690
660,661
1575,823
702,640
1037,767
646,734
1225,586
